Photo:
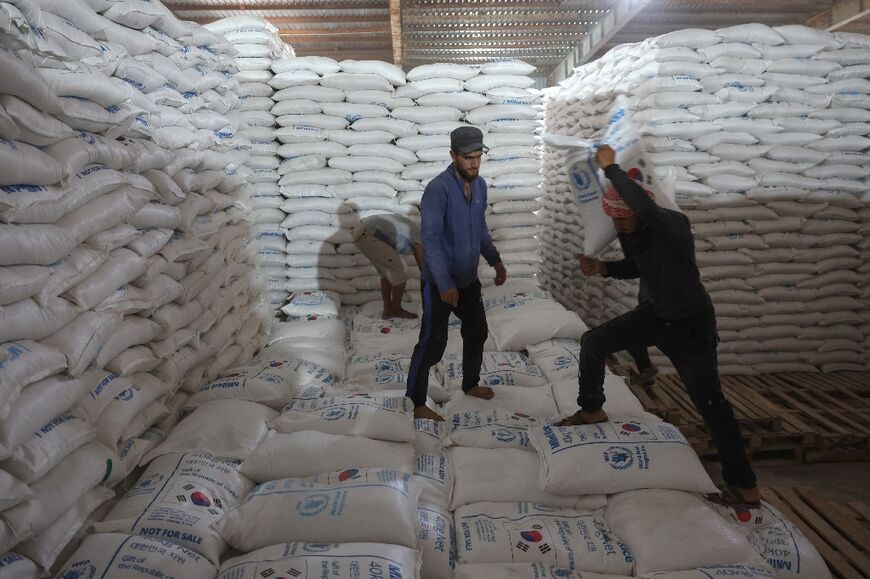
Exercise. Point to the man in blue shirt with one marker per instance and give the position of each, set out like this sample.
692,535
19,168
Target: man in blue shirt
383,239
454,235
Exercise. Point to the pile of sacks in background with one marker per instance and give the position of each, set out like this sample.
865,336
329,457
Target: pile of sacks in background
284,468
361,138
125,277
765,132
258,45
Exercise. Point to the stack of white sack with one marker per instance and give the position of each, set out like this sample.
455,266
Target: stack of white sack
338,164
347,481
360,139
765,132
495,97
123,268
258,46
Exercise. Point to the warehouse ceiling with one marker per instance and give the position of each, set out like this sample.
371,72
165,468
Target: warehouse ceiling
542,32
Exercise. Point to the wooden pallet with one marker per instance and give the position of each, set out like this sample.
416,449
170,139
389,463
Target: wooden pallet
809,417
841,533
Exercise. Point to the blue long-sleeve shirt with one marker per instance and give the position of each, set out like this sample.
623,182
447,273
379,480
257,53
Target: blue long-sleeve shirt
454,231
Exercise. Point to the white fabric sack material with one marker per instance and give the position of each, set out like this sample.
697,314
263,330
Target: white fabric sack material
785,548
119,555
617,456
428,434
672,531
525,571
60,489
389,418
16,566
270,381
15,492
536,402
437,538
308,561
373,372
514,331
486,82
588,185
37,405
489,113
497,369
23,163
344,506
524,532
25,362
120,411
442,70
48,446
391,72
322,352
356,81
503,475
22,281
462,100
308,452
367,163
493,429
717,571
226,429
327,330
620,403
177,499
432,471
558,360
426,114
82,339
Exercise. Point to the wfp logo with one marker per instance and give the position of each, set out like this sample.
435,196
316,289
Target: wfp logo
312,505
494,380
333,414
504,435
619,457
80,570
580,178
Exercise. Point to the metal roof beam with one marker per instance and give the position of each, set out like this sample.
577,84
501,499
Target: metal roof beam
396,30
309,20
319,33
841,14
623,12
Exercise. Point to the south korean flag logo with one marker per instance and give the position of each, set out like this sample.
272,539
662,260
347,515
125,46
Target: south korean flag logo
532,539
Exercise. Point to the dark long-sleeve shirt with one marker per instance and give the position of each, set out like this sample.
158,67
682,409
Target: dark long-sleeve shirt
661,253
454,231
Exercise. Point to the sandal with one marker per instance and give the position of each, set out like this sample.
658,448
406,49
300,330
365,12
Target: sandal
577,419
731,496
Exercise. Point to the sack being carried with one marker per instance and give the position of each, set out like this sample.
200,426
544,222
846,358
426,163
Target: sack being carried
589,184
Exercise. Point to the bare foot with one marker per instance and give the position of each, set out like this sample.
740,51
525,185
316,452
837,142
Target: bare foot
484,392
428,413
583,417
403,313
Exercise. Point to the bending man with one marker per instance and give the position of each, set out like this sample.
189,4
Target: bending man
455,235
675,314
383,239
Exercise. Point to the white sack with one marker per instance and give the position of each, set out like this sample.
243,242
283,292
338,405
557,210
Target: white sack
343,507
613,457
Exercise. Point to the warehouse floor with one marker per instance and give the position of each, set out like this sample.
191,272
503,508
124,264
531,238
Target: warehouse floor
837,481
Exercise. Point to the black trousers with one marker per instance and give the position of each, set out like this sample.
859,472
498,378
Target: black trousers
690,344
641,358
433,338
